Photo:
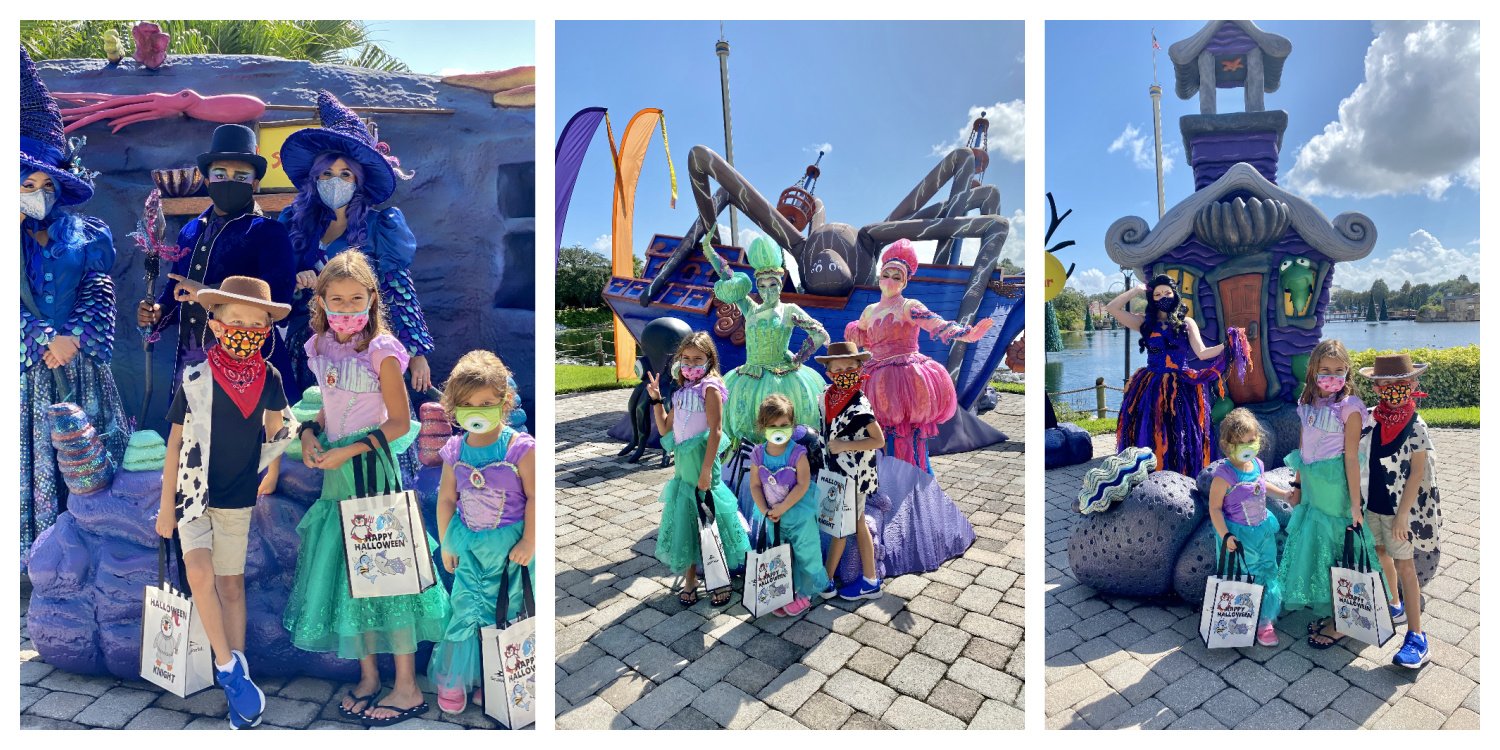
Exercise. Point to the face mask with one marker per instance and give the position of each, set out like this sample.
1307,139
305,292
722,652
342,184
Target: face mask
889,285
693,372
1245,452
335,192
231,197
38,203
242,342
1166,304
347,323
845,380
779,435
1396,394
479,419
1331,383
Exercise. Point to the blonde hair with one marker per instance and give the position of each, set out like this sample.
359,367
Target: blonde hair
701,341
474,372
351,265
776,406
1326,349
1238,426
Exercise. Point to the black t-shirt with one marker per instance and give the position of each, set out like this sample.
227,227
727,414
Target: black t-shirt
234,441
1382,499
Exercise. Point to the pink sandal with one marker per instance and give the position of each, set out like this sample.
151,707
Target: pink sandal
452,700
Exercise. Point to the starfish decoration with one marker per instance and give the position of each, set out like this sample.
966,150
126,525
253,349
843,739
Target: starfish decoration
1232,66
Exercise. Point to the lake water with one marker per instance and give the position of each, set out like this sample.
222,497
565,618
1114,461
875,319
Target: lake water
1088,356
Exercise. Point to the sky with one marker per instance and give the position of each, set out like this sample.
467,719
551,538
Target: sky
451,47
885,100
1383,119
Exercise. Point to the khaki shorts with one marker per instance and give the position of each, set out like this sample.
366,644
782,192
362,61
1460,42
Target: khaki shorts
1380,532
223,531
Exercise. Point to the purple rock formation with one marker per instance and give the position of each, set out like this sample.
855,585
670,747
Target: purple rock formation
1132,549
89,571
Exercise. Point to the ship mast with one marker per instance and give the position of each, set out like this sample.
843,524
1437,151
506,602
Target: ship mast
721,48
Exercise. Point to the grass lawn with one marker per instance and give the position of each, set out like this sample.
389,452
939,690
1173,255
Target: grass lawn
1464,417
1002,387
578,378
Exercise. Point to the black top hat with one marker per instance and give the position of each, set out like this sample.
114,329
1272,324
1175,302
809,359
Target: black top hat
232,143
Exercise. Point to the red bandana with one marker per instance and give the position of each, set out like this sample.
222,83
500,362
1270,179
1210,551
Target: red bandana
242,379
835,398
1393,419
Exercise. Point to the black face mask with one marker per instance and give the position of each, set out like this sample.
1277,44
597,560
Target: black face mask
231,197
1166,304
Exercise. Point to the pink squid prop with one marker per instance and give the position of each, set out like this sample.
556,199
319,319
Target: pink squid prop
127,109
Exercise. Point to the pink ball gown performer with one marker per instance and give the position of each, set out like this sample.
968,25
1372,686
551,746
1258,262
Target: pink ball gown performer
912,394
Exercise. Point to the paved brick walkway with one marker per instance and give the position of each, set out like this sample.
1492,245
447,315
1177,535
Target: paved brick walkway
940,650
53,699
1115,663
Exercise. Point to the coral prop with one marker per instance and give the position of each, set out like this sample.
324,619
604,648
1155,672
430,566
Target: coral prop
147,451
436,429
85,463
1109,482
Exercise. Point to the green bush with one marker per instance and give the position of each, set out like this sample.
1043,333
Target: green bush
584,317
1452,378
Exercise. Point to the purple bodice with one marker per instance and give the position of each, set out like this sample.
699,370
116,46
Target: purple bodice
1323,426
489,496
776,483
1167,350
1244,502
689,418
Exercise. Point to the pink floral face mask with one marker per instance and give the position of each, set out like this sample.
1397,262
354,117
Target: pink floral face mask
1331,383
348,323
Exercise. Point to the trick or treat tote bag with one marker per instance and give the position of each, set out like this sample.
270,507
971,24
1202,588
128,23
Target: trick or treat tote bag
1231,604
1360,609
385,541
174,649
715,567
768,573
509,656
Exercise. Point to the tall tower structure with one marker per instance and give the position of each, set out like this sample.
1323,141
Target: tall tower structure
721,48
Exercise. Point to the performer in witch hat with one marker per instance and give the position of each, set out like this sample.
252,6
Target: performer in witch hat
232,237
67,306
343,174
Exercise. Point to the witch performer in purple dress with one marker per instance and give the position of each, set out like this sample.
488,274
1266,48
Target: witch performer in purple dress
67,306
342,174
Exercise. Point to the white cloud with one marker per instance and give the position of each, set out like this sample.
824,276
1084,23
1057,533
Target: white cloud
1423,259
603,244
1412,126
445,72
1092,280
813,149
1007,137
1014,249
1141,151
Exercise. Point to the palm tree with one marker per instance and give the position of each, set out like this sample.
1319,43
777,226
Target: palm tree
332,42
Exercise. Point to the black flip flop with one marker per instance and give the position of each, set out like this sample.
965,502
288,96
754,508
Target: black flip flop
1313,643
1316,625
366,700
687,597
715,600
402,714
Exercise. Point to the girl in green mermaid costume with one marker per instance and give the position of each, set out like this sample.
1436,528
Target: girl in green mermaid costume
769,367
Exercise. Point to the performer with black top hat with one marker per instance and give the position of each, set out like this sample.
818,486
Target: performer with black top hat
232,237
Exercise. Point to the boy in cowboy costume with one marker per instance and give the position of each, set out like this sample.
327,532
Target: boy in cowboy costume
229,421
232,237
1402,511
854,440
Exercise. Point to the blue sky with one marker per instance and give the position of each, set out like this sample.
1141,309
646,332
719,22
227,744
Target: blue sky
1404,150
889,97
448,47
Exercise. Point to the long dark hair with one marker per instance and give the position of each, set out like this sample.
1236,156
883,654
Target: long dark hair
1176,319
310,216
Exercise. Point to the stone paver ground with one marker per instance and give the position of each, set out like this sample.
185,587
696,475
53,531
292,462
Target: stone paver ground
1115,662
941,650
54,699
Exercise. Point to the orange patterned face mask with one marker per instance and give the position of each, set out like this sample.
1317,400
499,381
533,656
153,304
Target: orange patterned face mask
243,341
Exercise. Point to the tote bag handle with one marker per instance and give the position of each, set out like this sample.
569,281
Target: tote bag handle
502,597
365,474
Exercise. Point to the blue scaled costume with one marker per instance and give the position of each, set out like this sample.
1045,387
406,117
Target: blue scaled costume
380,233
65,263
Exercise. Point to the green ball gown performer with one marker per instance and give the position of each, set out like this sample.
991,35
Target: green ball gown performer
769,367
343,174
67,307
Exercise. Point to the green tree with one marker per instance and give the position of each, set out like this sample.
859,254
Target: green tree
1370,314
1379,291
350,43
581,276
1385,314
1051,335
1088,320
1070,306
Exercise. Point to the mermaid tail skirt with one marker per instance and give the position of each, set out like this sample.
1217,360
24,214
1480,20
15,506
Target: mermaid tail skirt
482,558
677,539
1315,534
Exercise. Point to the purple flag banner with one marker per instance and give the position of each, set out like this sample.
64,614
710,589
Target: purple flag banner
571,146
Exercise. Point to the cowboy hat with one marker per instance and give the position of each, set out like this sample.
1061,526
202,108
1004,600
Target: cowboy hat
1393,367
244,290
843,350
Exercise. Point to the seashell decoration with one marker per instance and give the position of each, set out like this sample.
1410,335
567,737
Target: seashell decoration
436,429
179,182
85,464
1241,227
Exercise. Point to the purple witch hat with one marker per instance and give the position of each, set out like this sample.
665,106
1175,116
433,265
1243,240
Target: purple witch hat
343,133
44,148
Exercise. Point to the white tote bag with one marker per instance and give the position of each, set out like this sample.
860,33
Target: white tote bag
509,656
768,573
1231,604
175,655
385,539
1360,608
835,503
715,566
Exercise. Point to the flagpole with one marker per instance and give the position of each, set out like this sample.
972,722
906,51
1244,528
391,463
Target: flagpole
1161,188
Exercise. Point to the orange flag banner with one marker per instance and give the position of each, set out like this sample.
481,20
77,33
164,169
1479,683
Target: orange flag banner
630,155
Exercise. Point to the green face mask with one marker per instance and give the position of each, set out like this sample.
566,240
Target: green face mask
1245,452
479,419
779,435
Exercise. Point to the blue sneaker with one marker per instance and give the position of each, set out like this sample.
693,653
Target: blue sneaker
246,701
1398,614
831,590
1413,653
859,589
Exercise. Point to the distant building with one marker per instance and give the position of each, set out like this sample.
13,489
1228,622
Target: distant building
1463,307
